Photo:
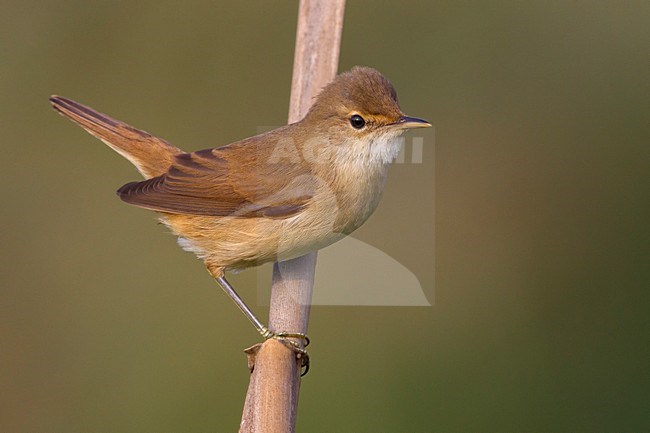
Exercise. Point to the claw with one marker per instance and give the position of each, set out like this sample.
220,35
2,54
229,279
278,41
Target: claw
299,335
285,338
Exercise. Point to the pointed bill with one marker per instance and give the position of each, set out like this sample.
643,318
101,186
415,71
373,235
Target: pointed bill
406,122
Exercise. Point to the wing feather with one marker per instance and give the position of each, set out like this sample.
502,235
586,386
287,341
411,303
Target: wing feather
235,180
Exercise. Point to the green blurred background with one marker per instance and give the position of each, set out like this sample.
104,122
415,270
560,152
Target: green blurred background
540,209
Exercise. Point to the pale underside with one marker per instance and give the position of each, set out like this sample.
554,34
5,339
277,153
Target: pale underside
332,212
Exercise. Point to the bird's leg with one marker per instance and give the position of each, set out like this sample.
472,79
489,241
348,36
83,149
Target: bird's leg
225,285
284,337
263,330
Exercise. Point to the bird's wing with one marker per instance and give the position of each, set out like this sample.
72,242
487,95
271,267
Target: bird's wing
235,180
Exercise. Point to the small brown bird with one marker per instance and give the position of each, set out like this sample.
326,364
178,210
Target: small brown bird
274,196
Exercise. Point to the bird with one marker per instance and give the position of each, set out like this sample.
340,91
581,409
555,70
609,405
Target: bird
273,196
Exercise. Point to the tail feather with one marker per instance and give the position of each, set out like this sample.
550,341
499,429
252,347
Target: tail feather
151,155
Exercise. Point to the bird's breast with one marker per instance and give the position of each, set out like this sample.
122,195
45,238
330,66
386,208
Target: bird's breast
357,189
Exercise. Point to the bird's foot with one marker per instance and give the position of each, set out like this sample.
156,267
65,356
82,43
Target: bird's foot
289,340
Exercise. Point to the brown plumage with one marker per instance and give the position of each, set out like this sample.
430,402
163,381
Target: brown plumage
151,155
219,182
273,196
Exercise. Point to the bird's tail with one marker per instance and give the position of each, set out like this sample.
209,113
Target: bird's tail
151,155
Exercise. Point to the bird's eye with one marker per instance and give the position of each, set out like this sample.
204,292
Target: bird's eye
357,121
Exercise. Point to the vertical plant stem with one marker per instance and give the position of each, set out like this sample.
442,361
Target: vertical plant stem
272,397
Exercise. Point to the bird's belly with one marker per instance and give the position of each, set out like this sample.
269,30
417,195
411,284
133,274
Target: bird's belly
235,243
238,242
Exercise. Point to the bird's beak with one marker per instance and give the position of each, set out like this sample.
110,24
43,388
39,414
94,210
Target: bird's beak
406,122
